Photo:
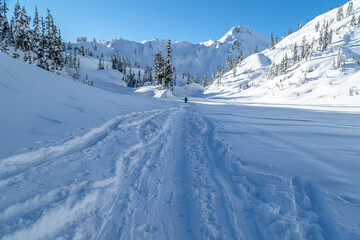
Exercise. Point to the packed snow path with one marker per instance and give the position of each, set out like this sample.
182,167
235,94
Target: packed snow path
161,174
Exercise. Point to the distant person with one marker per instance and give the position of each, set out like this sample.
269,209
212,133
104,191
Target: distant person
185,99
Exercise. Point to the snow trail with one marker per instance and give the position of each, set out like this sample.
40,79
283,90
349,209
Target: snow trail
161,174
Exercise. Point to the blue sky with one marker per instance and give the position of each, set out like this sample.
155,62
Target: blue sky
190,20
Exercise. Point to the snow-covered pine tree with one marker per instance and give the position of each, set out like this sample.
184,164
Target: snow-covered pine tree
21,28
101,62
188,79
350,8
131,81
241,56
272,41
36,35
317,26
353,21
114,61
139,83
339,59
304,48
147,77
196,78
228,64
340,14
76,75
168,78
206,81
290,31
159,68
3,46
300,25
295,54
5,24
219,74
284,64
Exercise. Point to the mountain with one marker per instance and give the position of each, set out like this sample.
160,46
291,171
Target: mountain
323,69
187,57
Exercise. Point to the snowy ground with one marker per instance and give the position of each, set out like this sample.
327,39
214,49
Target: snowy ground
105,162
195,171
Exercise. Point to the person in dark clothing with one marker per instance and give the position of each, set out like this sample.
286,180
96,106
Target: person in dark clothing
185,99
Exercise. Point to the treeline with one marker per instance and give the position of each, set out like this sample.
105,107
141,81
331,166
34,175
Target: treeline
304,50
41,44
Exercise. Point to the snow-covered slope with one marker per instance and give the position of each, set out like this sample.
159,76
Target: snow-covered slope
187,57
116,165
37,105
320,77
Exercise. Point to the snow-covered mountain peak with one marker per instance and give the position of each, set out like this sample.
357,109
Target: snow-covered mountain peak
192,58
238,33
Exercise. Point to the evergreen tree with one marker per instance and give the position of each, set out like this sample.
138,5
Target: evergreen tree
169,74
3,46
21,28
101,62
295,53
196,78
188,79
76,75
317,26
206,81
5,33
241,57
219,74
159,68
138,80
300,25
272,40
228,64
340,14
284,64
36,35
339,58
290,31
304,48
350,8
131,81
147,77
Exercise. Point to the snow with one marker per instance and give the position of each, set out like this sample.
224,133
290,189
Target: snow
108,162
187,57
313,81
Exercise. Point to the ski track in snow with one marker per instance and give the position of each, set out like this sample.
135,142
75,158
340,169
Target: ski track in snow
161,174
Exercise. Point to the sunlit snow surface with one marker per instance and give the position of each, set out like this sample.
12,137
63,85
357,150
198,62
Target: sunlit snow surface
106,162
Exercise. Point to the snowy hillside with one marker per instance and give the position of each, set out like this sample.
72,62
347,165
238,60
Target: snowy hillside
187,57
78,162
249,158
37,105
324,68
